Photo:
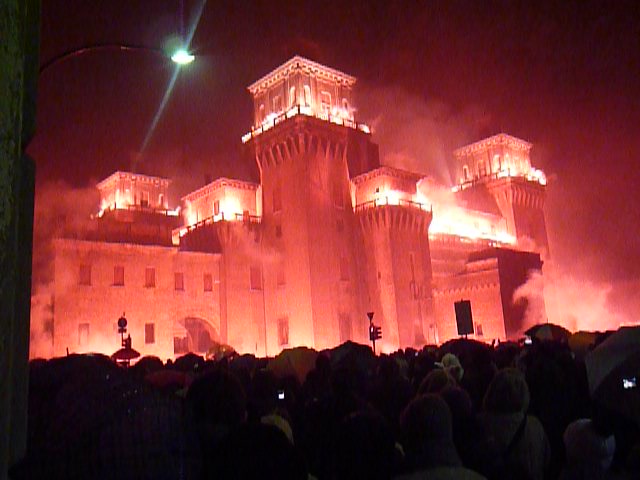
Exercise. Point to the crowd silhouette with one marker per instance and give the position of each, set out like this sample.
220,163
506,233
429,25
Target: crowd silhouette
465,410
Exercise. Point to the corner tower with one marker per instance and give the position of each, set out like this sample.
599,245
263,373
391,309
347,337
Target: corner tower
501,166
306,143
395,232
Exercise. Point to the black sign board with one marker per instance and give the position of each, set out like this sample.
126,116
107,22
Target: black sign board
464,319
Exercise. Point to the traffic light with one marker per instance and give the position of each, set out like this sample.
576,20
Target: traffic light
375,332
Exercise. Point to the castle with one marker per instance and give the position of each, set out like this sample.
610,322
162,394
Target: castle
327,235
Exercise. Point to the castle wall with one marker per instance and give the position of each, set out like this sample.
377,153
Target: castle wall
243,269
89,298
482,288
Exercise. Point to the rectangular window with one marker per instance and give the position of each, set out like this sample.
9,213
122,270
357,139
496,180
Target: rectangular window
283,331
208,282
83,334
118,276
178,280
277,199
216,207
149,333
85,274
345,327
180,345
150,277
344,268
144,199
278,231
256,278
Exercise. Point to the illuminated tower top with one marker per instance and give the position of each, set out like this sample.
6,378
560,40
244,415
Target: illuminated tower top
498,156
126,190
305,85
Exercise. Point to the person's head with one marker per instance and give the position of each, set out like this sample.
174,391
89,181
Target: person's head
427,434
435,381
459,403
507,393
452,366
585,447
364,448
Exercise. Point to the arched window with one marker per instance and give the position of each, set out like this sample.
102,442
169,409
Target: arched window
292,97
261,113
465,173
345,105
307,96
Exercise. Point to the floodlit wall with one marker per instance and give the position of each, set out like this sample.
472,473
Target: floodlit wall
96,282
480,284
125,189
222,199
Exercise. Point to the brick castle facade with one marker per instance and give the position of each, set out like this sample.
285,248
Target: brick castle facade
327,235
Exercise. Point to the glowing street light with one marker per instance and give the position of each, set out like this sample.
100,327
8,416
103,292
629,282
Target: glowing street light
182,57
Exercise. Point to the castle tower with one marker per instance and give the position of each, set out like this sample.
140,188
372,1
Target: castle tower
306,143
395,231
501,166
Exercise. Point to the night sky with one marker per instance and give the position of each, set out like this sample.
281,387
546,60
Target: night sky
432,76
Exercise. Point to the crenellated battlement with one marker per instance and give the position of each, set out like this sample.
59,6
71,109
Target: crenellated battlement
408,216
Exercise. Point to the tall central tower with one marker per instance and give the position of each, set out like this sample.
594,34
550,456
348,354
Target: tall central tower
306,144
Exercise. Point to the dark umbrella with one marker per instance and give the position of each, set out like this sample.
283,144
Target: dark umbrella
548,331
188,362
296,362
125,354
581,343
613,369
246,361
467,349
353,356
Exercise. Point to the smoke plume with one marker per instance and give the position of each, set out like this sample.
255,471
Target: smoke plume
573,302
416,134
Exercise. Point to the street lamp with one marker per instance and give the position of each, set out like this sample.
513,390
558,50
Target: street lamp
180,57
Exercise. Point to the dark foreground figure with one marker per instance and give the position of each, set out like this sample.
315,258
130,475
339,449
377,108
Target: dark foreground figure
463,411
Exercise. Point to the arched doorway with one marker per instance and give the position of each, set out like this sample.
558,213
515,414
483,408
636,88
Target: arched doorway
192,334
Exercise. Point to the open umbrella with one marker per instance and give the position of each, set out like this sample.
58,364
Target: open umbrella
467,350
189,362
353,356
297,362
613,370
582,342
125,354
548,331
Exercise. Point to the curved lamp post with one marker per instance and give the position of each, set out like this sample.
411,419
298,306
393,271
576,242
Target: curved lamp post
179,57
